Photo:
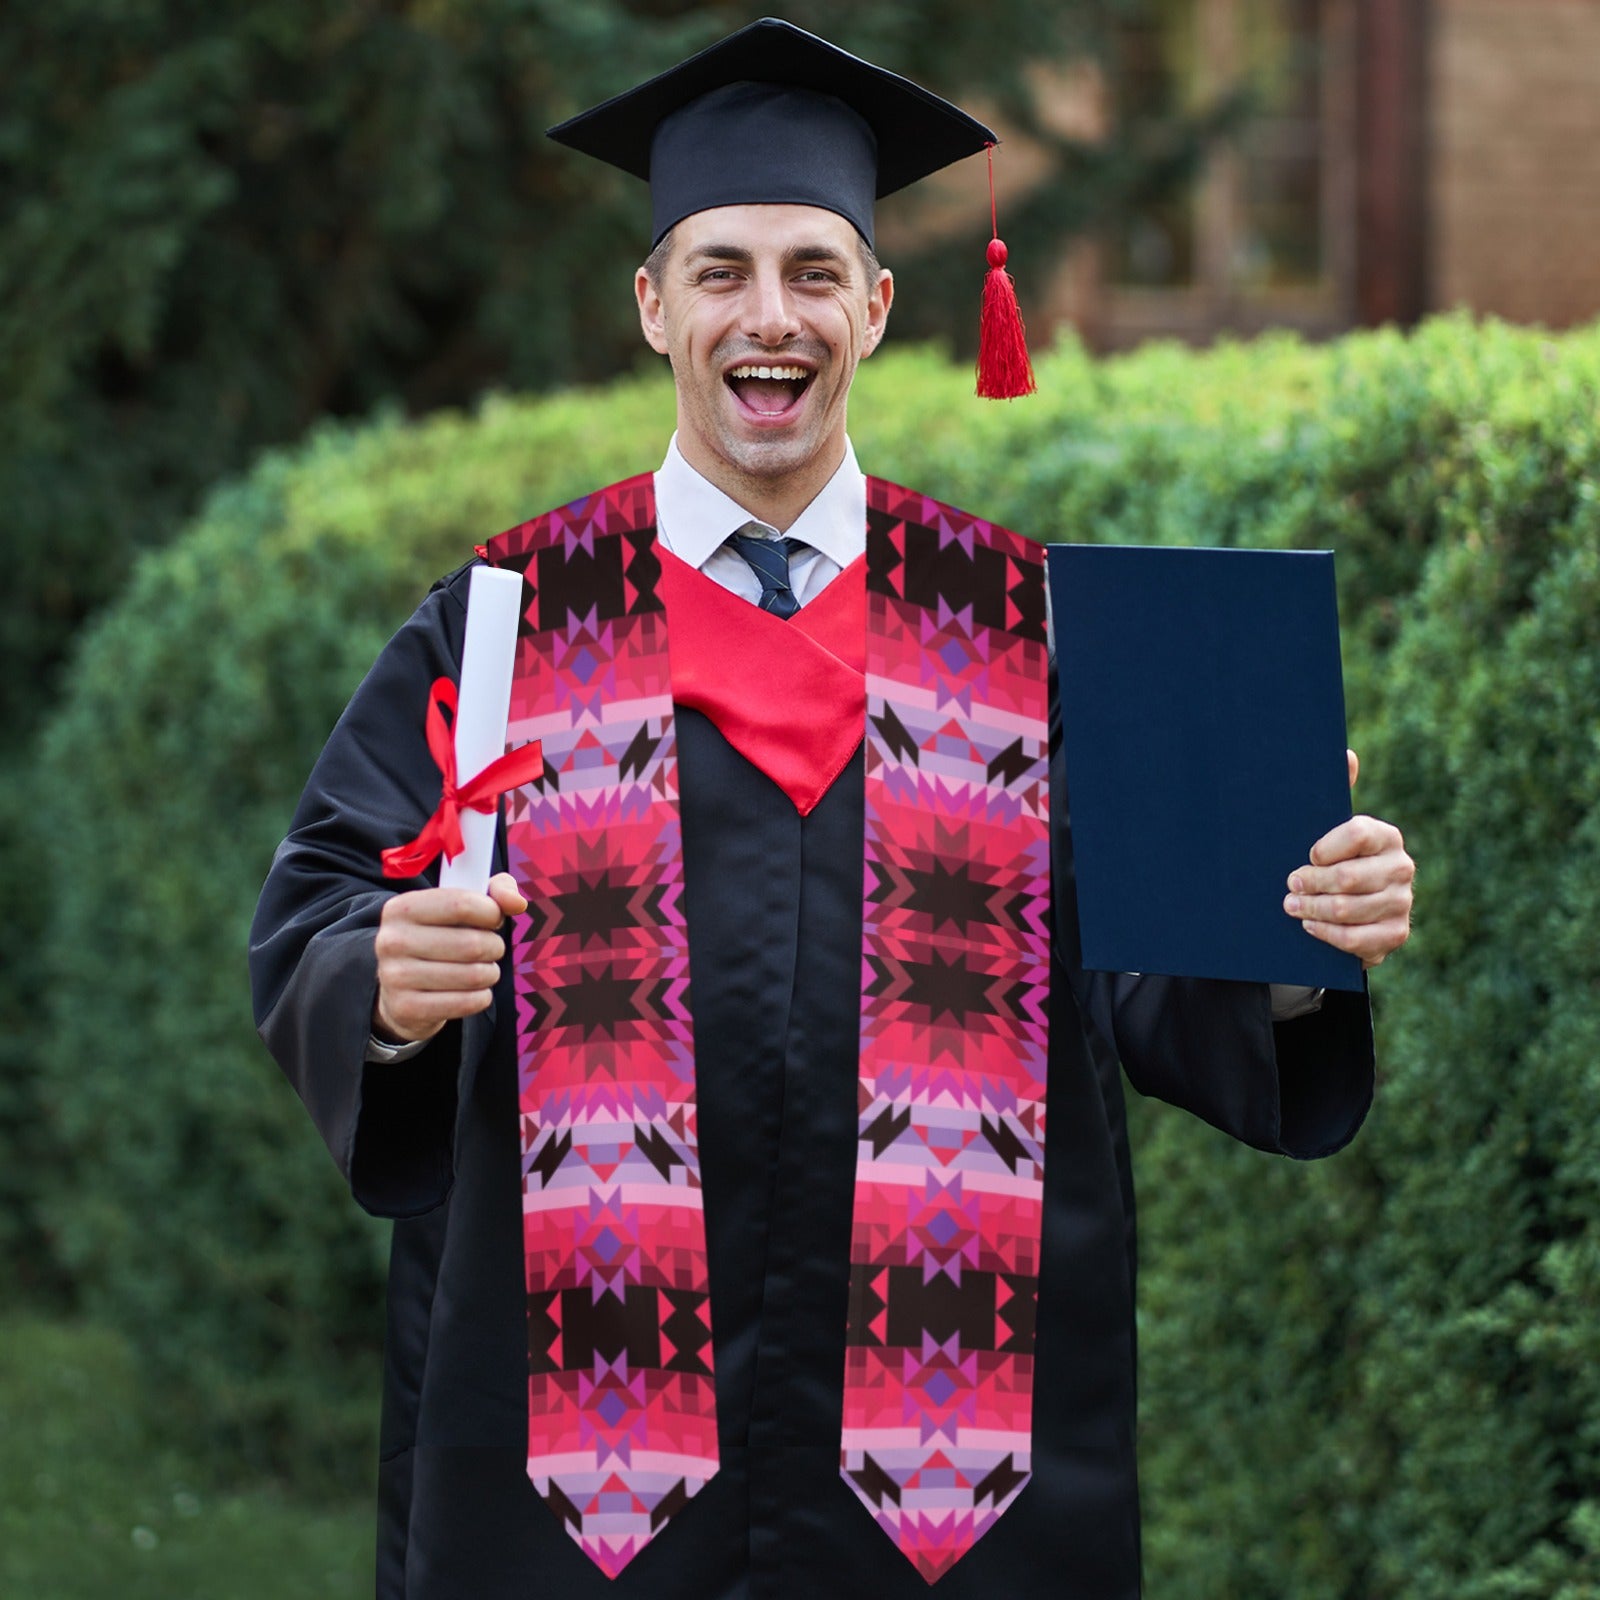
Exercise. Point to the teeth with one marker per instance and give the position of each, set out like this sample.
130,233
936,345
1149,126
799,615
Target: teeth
797,374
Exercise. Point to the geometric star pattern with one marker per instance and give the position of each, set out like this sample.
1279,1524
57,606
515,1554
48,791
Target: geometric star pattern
939,1360
622,1428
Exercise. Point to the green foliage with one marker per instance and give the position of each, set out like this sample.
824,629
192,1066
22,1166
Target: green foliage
1369,1379
95,1499
1495,1048
1388,1387
220,224
193,1212
25,1146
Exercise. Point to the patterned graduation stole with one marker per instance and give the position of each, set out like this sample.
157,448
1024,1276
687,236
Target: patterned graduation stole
944,1258
622,1425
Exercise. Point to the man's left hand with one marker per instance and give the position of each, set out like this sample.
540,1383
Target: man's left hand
1355,893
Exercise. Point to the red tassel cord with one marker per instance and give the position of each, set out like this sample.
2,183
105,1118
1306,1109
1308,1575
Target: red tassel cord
1004,370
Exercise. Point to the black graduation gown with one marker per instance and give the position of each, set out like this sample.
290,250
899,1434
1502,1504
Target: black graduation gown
773,904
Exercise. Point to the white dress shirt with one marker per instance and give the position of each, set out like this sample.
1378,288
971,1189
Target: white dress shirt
694,518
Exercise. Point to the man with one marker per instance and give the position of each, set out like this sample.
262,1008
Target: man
893,1321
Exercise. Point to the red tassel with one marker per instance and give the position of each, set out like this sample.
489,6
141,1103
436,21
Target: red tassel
1004,370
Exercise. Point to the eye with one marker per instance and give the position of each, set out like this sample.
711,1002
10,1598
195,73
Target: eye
718,275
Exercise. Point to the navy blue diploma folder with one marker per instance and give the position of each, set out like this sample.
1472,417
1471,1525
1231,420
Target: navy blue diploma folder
1202,711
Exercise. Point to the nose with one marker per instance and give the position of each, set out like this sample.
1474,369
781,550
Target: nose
771,318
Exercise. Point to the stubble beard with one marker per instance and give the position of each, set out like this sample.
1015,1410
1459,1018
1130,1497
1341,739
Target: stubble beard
767,459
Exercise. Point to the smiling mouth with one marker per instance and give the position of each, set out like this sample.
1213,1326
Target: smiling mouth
769,391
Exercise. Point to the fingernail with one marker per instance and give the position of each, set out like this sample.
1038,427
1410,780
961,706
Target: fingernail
1291,904
1296,882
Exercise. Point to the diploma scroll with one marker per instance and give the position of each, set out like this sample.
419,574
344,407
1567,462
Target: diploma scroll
494,606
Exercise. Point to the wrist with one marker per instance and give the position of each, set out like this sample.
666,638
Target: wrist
387,1032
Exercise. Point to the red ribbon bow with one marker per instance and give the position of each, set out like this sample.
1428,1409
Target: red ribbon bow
442,831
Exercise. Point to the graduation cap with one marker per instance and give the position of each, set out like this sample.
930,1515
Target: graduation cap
773,115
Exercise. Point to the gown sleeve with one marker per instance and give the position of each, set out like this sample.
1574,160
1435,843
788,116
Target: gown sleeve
313,966
1300,1088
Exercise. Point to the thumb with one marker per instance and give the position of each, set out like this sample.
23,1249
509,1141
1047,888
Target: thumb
504,892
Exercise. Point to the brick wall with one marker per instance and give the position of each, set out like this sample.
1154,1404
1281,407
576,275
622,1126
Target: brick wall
1515,158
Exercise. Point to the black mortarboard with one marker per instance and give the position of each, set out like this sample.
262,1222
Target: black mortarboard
774,115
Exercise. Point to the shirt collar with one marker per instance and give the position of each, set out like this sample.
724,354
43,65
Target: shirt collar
694,517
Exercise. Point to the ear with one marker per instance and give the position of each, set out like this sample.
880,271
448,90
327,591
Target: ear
652,315
879,300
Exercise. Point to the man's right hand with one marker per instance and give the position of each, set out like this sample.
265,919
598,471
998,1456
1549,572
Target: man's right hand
439,957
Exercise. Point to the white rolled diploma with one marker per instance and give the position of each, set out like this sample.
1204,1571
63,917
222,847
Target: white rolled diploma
494,604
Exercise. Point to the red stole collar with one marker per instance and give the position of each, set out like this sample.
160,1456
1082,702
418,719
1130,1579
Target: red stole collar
789,696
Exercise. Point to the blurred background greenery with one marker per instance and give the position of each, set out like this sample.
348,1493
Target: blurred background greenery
295,308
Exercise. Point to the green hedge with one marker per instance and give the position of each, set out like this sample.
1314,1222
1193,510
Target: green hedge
1374,1377
1378,1377
193,1206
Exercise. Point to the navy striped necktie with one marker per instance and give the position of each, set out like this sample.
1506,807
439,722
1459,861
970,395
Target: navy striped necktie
769,560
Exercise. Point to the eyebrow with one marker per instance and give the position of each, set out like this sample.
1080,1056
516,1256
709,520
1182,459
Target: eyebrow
795,255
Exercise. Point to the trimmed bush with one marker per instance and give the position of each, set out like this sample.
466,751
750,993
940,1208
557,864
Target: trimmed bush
195,1210
1373,1377
1376,1377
